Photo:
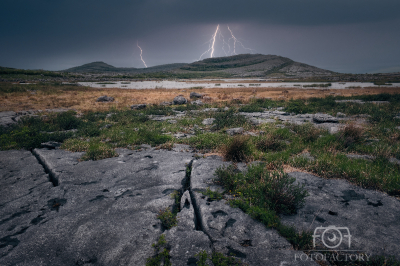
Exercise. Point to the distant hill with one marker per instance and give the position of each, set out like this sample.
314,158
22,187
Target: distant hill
256,65
101,67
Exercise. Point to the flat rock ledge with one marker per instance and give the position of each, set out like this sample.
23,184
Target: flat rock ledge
56,210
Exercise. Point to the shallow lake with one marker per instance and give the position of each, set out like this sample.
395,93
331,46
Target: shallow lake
228,83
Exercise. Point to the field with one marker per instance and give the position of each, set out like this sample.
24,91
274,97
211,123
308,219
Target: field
369,130
41,96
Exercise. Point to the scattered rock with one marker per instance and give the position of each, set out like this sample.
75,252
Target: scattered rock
138,106
234,131
364,157
340,114
394,160
194,95
324,118
106,126
179,100
350,101
105,98
208,121
249,133
307,156
172,121
380,102
181,135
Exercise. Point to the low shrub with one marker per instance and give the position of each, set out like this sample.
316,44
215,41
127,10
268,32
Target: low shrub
167,218
238,149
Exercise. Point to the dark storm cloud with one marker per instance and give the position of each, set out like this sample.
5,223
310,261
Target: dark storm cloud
56,34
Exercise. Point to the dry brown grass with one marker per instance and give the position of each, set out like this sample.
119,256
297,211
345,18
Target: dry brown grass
85,99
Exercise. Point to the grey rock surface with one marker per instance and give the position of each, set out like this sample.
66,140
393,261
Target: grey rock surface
178,100
372,217
105,98
101,212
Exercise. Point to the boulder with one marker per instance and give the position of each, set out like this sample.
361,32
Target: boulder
138,106
194,95
105,98
178,100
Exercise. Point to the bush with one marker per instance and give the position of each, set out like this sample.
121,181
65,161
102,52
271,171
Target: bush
238,149
351,134
168,218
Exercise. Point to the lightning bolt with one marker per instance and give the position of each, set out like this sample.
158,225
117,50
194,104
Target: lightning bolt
141,52
224,42
237,41
212,44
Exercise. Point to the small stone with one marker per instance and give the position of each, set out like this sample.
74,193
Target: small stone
138,106
172,121
105,98
179,100
106,126
234,131
340,114
166,103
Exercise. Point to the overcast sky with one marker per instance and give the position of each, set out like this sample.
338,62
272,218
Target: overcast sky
349,36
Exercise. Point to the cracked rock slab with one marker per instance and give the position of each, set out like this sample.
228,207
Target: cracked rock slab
230,230
100,213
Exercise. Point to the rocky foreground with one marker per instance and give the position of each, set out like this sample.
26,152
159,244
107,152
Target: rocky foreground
57,210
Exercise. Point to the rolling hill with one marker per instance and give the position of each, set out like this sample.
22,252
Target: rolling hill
243,65
256,65
101,67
